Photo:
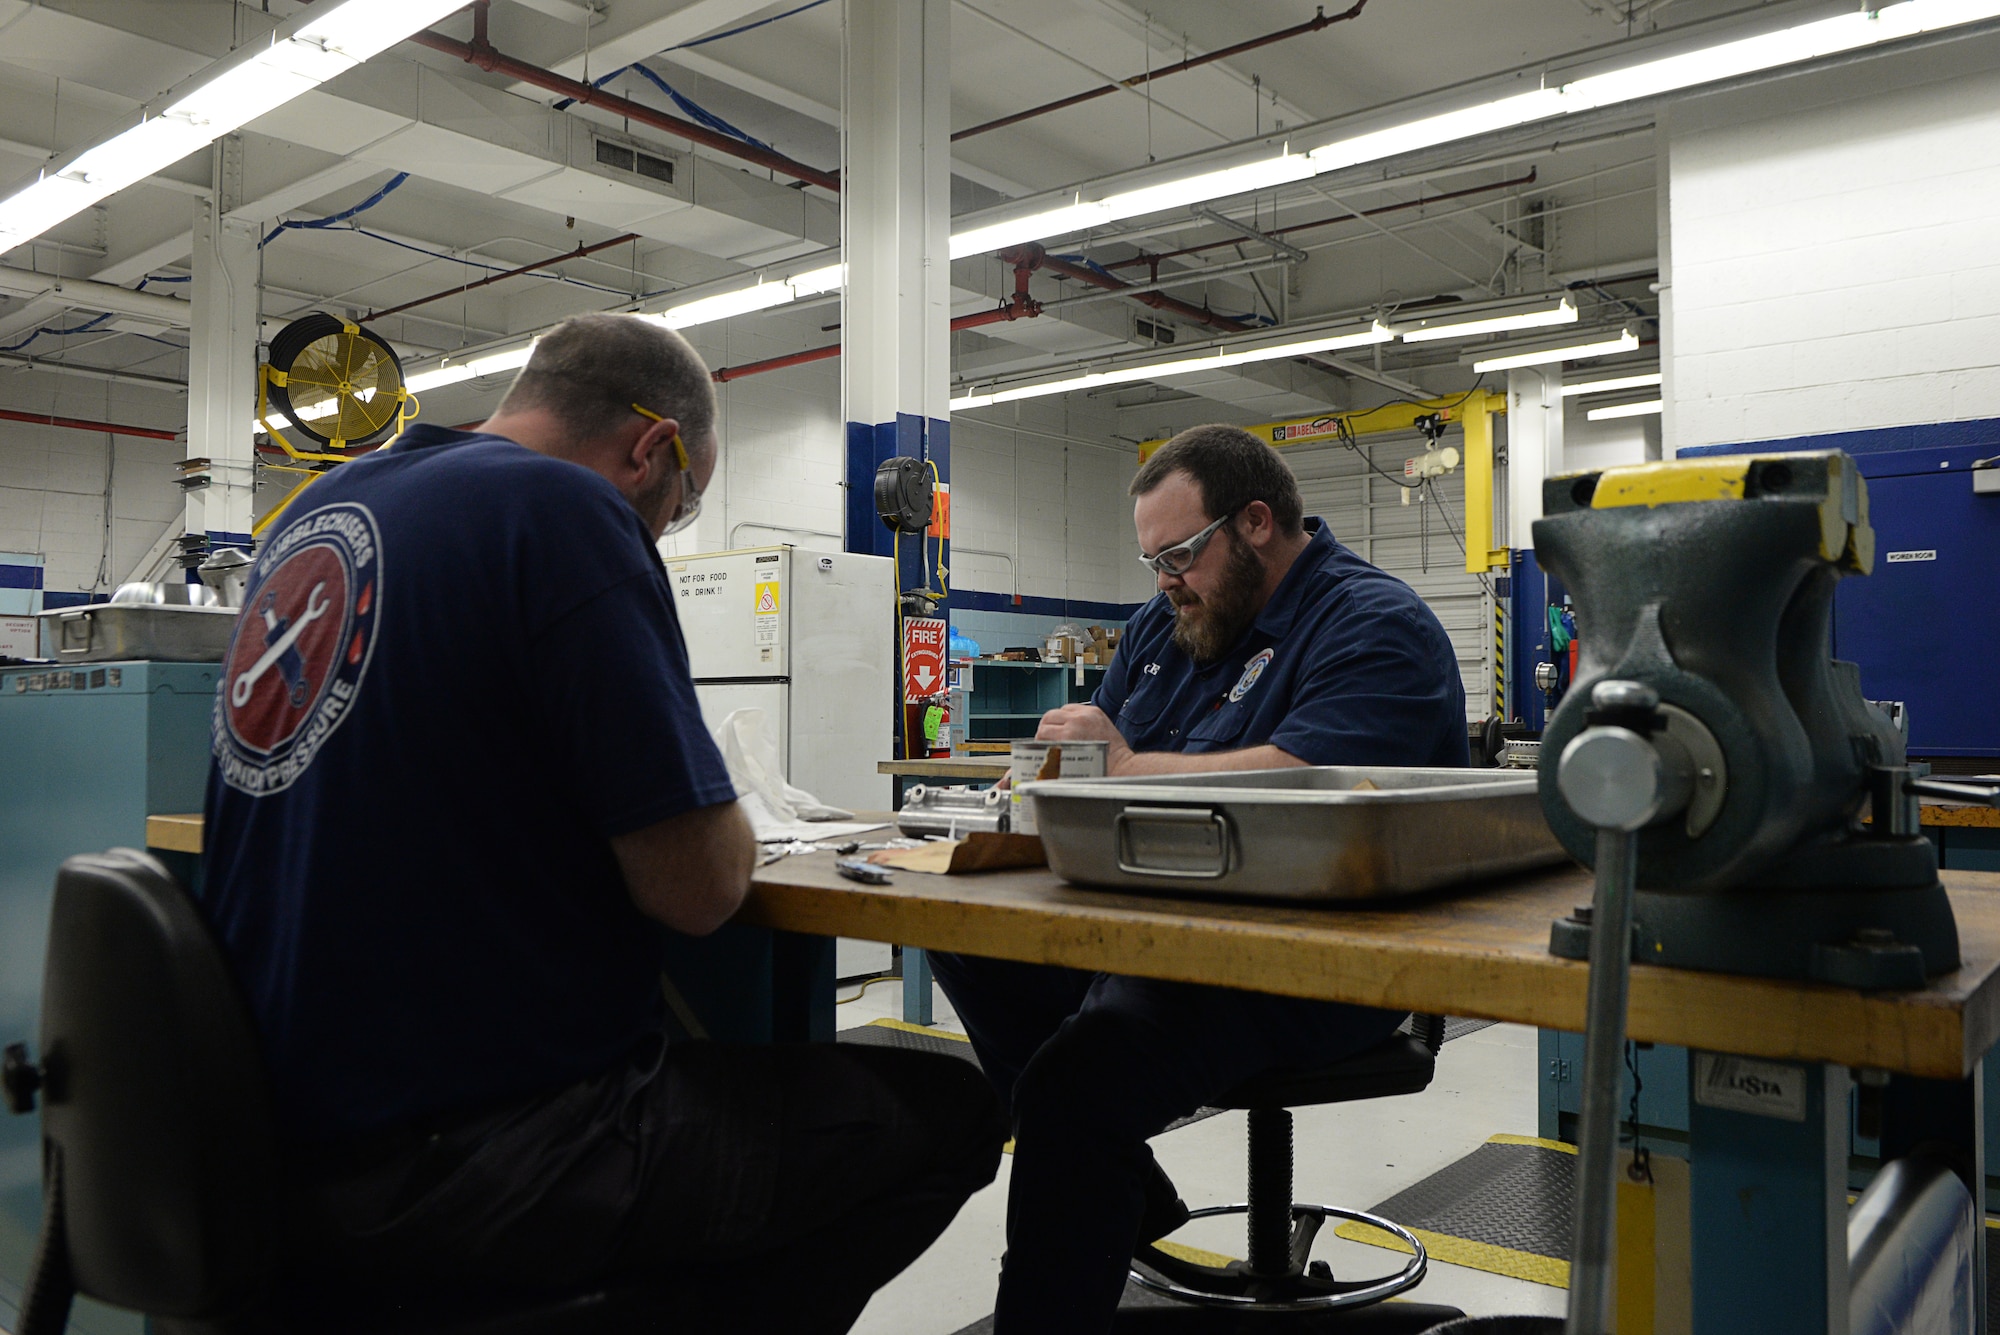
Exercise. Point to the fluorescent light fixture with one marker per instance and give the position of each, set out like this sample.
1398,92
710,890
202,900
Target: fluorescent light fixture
1616,382
1597,344
1644,408
1223,357
1075,216
488,363
1473,323
759,296
331,38
1724,59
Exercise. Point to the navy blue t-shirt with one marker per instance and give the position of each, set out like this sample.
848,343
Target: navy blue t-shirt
457,676
1344,666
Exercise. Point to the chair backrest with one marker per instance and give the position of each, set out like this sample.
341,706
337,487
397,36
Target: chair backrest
155,1108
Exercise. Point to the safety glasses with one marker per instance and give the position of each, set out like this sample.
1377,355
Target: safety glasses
1178,559
690,506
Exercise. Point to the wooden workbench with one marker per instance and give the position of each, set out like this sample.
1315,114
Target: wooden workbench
959,769
1482,954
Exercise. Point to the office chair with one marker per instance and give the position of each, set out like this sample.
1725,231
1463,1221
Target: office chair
159,1156
1279,1275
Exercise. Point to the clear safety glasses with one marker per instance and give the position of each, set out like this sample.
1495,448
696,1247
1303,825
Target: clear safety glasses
690,506
1178,559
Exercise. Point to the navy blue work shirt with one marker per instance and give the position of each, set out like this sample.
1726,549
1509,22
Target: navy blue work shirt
457,676
1344,666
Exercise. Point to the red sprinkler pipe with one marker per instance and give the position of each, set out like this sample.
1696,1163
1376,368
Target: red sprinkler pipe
1020,306
480,52
463,288
1035,257
80,424
1314,24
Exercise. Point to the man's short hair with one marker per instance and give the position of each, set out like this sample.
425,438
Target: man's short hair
589,370
1230,468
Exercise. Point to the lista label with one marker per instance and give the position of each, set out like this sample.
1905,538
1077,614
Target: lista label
1930,555
1738,1084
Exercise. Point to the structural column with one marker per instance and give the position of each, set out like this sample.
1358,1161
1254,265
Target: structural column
222,383
896,235
1534,452
895,328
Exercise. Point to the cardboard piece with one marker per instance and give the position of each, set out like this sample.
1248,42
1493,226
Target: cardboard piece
958,857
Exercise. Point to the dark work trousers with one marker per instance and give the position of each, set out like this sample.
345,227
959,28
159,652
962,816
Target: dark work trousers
762,1188
1090,1066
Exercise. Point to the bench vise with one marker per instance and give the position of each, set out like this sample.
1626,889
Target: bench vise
1709,584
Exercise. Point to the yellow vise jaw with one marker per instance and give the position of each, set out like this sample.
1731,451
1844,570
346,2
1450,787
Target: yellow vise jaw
1830,479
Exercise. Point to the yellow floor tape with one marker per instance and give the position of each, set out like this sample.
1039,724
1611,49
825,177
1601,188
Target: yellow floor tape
1464,1251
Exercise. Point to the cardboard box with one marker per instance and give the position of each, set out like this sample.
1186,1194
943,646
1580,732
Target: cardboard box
1059,649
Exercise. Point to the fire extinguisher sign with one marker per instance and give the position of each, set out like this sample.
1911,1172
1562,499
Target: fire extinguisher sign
923,658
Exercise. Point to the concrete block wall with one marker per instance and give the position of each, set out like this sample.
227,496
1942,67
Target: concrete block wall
53,492
1039,506
1831,250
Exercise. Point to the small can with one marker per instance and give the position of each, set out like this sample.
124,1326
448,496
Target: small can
1049,760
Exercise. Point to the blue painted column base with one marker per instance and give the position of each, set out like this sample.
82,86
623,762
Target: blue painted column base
917,994
1768,1197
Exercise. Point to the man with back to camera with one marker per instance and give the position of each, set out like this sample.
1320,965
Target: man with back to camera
460,781
1269,645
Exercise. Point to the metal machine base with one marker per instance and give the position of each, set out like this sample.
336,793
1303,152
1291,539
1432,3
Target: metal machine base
1873,938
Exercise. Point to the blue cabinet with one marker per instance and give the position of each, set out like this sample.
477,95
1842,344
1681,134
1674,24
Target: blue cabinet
1925,626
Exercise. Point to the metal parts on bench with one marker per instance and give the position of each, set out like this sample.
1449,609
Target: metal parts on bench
953,812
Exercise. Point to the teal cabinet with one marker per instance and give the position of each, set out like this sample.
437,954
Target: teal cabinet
999,701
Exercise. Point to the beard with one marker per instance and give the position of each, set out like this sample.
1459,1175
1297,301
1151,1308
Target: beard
1205,628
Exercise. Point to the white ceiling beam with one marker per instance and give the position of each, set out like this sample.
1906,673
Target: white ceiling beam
611,48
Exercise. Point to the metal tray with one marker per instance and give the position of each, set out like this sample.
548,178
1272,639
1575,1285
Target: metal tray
1294,833
111,632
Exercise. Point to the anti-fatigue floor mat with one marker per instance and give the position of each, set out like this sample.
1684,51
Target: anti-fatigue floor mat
1504,1208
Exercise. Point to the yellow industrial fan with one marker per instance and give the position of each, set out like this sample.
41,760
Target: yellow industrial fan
334,383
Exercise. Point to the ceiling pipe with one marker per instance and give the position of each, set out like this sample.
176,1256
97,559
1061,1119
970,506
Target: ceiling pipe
1145,258
1019,306
1034,257
479,51
82,424
1314,24
490,279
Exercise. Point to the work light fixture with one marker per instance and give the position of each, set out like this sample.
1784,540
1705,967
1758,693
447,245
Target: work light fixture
1644,408
1594,343
1489,319
331,38
1615,382
1218,359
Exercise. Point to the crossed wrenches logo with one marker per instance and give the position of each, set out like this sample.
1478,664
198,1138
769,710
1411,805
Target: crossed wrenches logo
246,682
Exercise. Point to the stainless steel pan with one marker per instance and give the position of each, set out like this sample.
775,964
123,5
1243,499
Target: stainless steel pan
1331,832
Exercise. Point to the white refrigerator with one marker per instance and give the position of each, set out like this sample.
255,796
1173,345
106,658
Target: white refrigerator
808,637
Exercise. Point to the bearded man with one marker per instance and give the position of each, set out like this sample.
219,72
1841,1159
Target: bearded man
1269,646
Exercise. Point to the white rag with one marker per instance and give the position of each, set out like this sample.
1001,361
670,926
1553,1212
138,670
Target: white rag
750,751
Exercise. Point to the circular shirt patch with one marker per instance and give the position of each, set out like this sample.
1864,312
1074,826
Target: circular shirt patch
1251,671
301,647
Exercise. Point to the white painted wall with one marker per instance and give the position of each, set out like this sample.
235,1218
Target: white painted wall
1039,506
54,484
1833,250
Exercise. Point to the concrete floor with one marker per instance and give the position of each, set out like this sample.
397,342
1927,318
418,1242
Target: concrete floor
1354,1155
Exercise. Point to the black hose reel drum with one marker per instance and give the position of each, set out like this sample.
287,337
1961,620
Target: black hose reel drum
903,494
